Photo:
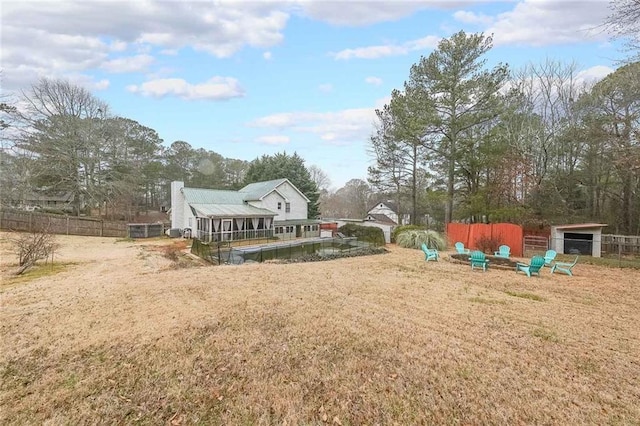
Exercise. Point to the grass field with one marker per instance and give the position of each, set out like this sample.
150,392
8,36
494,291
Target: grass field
118,333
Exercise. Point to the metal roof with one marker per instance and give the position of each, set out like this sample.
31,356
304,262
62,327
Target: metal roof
212,196
257,190
230,210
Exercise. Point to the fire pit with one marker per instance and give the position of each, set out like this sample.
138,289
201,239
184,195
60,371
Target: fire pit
494,262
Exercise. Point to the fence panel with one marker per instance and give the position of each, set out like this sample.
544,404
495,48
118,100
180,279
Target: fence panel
504,233
534,244
56,224
621,244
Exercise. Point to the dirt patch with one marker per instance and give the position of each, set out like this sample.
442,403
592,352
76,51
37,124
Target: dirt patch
121,335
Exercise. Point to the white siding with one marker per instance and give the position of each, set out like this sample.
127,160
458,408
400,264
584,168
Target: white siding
270,202
177,205
298,202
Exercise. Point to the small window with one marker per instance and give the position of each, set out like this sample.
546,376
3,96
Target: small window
287,207
279,205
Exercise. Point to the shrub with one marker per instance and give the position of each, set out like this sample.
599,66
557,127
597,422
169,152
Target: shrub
33,246
488,244
415,239
370,234
400,229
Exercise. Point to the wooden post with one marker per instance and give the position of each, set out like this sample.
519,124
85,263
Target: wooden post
67,225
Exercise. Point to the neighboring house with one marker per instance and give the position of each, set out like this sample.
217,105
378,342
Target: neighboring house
261,209
60,200
388,209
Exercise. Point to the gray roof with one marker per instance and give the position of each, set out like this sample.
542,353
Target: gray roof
257,190
382,218
230,210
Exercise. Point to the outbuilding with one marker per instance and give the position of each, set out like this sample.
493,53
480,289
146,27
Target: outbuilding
579,238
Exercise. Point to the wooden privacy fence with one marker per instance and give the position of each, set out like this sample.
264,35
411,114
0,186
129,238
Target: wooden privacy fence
470,234
57,224
620,244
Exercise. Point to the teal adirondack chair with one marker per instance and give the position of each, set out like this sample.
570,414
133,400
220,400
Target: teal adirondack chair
477,258
460,248
564,267
503,251
534,267
430,254
549,257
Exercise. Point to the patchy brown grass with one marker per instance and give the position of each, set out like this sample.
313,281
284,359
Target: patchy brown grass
121,337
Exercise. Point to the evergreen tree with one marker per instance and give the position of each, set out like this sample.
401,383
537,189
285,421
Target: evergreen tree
280,166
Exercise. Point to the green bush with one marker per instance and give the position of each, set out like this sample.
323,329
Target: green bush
414,238
402,228
370,234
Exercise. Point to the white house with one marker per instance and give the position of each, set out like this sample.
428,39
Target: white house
389,209
261,209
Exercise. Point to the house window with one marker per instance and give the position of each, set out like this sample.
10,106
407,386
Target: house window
279,205
287,207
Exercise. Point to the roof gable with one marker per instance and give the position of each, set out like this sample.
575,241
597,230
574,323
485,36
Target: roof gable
258,190
388,204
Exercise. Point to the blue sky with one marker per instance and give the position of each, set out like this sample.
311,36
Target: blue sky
245,79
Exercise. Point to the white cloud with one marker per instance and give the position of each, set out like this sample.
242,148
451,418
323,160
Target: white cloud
273,140
66,36
342,127
593,74
374,52
546,22
376,81
361,13
216,88
472,17
128,64
326,88
267,55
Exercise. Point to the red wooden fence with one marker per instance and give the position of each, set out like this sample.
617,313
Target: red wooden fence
505,233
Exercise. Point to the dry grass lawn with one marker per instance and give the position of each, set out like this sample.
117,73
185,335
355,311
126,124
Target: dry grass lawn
118,334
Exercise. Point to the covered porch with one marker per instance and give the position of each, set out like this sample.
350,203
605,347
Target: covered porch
232,223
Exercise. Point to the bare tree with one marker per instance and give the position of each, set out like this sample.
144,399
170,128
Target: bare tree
624,23
62,98
320,178
33,246
65,131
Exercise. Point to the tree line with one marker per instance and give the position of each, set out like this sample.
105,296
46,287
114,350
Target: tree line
64,140
537,145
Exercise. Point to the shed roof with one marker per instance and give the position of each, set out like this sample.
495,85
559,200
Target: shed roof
581,226
382,218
